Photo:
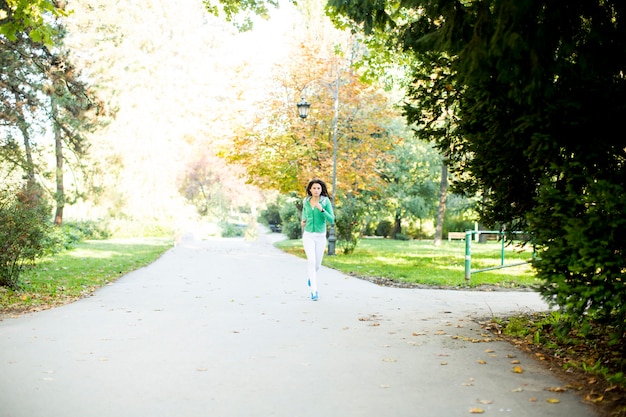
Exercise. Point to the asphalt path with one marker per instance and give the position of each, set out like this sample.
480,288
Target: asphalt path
226,327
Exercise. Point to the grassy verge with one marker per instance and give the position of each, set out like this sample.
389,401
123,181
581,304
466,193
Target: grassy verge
422,263
587,355
76,273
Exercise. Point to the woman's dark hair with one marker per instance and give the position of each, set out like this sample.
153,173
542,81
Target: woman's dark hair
321,183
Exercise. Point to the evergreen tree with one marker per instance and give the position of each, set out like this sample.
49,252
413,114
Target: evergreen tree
539,88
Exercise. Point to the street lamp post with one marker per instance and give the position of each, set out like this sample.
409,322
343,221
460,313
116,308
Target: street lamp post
303,112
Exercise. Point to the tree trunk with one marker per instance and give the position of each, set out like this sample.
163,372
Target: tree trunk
23,126
58,151
397,226
443,194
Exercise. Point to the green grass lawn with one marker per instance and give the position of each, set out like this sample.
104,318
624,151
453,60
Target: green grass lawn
72,274
421,262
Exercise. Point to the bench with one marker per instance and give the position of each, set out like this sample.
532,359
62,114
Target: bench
456,235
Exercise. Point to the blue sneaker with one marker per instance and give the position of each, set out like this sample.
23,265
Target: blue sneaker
314,297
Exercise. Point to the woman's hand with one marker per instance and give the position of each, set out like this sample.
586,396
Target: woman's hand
303,223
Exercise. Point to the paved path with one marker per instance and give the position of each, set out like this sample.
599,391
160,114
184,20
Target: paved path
223,328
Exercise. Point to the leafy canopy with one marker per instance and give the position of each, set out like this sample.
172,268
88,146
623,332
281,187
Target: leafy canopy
537,90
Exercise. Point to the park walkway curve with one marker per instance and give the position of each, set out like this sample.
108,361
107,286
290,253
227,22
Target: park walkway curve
225,328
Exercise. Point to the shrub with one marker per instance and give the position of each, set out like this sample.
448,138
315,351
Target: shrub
290,214
401,236
72,232
384,228
87,229
348,220
231,230
271,215
583,265
24,232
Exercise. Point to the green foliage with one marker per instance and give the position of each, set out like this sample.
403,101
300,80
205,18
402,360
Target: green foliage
24,228
401,236
523,98
384,228
32,17
291,213
231,230
584,343
410,176
70,233
240,12
271,215
584,264
349,222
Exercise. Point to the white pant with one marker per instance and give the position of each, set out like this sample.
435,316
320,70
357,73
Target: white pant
314,245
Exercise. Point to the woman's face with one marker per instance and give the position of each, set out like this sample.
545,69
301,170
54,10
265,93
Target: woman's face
316,190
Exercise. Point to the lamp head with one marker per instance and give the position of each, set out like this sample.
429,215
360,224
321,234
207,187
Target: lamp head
303,108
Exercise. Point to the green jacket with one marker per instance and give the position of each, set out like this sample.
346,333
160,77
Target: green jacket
315,219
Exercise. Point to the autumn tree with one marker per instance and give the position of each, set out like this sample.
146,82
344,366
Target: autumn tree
283,152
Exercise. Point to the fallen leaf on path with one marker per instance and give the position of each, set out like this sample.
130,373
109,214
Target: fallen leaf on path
476,410
419,334
518,389
533,399
517,370
515,361
390,360
553,400
489,351
556,389
481,361
594,398
444,363
440,332
485,401
469,383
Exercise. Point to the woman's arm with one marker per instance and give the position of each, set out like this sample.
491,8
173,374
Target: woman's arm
328,211
305,213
